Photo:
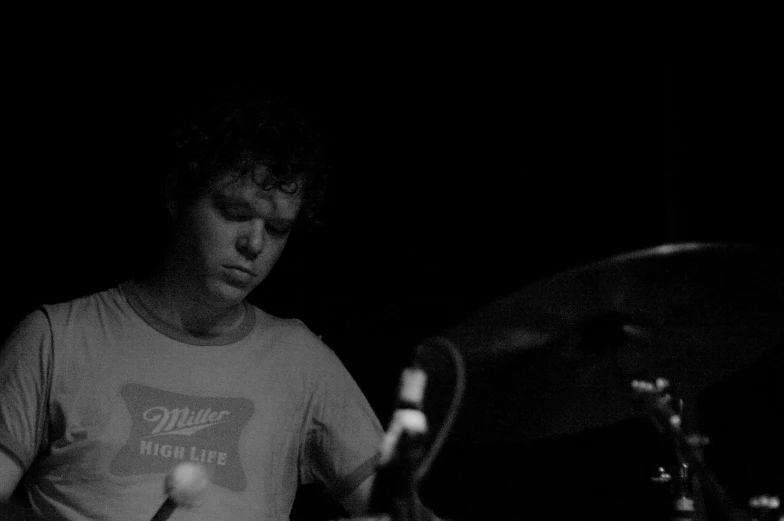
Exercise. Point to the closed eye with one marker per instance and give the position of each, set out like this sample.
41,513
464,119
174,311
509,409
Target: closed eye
235,213
244,213
277,230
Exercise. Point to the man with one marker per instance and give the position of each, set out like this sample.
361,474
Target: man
101,396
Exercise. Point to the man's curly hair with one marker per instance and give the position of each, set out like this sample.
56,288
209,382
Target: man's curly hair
241,128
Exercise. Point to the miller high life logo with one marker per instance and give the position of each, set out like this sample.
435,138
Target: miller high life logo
167,427
182,421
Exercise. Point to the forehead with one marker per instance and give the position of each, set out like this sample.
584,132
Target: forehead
254,188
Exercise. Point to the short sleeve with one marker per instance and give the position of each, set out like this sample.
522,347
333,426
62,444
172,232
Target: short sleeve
344,434
25,373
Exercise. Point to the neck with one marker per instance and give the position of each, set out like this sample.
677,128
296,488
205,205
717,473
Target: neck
173,298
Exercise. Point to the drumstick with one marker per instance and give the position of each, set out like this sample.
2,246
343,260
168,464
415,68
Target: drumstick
183,486
165,511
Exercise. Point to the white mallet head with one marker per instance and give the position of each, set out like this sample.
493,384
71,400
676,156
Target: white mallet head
186,482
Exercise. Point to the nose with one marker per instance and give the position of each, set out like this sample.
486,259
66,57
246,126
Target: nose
250,241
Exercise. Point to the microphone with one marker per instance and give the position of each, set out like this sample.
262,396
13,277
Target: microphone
183,486
403,448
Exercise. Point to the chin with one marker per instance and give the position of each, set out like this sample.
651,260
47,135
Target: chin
228,293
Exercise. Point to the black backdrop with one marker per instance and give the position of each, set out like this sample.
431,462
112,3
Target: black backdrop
471,157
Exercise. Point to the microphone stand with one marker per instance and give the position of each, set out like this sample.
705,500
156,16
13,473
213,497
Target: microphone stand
402,452
406,505
406,450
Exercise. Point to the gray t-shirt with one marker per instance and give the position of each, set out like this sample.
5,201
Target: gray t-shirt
99,400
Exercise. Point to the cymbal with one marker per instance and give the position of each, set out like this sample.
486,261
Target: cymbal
558,356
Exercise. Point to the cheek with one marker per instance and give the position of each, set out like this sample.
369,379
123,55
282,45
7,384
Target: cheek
214,237
273,251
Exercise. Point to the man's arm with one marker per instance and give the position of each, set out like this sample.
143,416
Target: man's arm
10,474
357,502
25,358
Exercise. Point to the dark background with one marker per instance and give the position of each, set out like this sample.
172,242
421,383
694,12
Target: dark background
472,155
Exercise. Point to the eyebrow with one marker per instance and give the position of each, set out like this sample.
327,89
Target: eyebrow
226,199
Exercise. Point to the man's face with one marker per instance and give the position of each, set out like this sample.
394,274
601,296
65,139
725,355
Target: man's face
232,235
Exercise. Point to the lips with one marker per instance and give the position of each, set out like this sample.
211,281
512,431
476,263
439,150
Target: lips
242,269
239,276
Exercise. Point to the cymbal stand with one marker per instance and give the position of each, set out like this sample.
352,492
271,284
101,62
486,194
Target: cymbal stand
689,502
682,504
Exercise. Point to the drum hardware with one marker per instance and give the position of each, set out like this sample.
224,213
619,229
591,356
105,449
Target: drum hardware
662,476
766,508
563,351
684,505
